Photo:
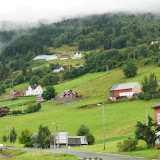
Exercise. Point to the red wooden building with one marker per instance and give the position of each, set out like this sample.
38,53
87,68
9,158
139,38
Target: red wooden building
4,110
65,56
125,90
40,98
156,108
16,93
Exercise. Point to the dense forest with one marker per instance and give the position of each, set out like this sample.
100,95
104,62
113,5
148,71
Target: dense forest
109,32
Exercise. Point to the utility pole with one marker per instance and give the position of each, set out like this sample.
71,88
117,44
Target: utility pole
57,133
103,125
134,55
107,68
146,115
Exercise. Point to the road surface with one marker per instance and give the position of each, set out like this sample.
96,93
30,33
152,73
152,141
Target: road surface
88,154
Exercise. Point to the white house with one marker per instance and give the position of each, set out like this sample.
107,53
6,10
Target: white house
34,90
77,55
51,57
154,42
59,69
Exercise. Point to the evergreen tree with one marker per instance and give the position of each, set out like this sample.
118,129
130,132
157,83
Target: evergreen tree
146,133
13,135
4,139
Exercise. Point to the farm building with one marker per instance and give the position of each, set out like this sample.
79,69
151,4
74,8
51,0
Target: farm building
154,42
128,90
34,90
4,110
58,69
16,93
64,56
40,57
72,140
39,98
52,57
77,55
68,94
156,108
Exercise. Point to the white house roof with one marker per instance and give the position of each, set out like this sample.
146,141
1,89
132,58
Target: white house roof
123,86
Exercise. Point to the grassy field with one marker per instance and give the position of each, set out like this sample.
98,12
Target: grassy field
120,117
28,155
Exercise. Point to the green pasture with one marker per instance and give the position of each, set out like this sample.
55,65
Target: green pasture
120,117
19,155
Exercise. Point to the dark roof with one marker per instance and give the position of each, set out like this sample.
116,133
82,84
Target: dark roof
156,105
4,107
34,86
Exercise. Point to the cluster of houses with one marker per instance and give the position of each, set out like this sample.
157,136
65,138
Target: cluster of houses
37,90
77,55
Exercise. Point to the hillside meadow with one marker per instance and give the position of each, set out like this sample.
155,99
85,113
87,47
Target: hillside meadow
120,116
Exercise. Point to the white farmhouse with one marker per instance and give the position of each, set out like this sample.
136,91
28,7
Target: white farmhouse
34,90
77,55
51,57
59,69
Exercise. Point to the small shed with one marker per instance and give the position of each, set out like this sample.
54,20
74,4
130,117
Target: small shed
39,98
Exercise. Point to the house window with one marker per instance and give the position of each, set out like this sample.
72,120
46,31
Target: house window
158,118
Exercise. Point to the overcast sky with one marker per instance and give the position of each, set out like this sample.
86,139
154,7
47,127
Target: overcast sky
53,10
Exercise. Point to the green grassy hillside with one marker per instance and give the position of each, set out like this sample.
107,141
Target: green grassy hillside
120,117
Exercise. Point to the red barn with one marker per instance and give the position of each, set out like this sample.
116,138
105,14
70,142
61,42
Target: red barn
65,56
125,90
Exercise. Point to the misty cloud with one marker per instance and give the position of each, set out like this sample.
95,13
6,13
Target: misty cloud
53,10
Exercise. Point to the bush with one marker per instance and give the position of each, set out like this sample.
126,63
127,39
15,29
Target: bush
90,138
83,130
128,144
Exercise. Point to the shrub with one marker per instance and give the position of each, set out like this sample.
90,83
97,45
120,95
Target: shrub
90,138
128,144
83,130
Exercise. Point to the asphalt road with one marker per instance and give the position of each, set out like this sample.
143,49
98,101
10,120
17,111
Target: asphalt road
87,154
